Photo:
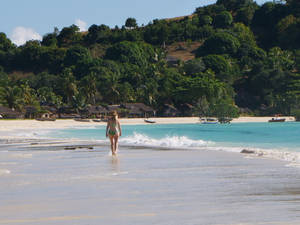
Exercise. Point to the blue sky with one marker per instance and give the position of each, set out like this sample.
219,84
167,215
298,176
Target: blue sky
31,19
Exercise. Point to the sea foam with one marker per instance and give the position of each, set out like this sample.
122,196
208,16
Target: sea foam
167,142
4,172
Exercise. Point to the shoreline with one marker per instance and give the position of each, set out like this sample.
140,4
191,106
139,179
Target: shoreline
9,128
27,124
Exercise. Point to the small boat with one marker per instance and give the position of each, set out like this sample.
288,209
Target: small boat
95,120
149,121
82,120
209,121
45,119
225,120
277,119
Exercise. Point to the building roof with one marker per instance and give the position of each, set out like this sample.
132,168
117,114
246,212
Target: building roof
97,109
137,107
4,109
113,108
170,108
7,111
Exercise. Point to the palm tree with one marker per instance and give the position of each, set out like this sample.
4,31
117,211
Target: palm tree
112,83
89,86
79,103
11,96
69,84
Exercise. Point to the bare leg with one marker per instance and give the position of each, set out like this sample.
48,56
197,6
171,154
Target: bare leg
116,137
111,138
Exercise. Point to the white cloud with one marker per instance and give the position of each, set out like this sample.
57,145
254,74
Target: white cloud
22,34
81,24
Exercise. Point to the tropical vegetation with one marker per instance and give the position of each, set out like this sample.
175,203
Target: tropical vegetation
247,60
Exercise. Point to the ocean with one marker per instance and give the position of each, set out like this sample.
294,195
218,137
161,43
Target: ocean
277,140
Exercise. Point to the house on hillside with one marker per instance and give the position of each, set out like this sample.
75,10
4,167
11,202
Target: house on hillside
172,61
8,113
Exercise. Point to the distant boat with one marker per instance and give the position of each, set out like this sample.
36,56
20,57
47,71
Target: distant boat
224,120
46,119
209,121
82,120
95,120
277,119
149,121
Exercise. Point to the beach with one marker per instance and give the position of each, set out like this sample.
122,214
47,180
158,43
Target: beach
74,181
146,187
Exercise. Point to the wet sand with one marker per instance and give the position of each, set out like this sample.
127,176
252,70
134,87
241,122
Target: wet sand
45,184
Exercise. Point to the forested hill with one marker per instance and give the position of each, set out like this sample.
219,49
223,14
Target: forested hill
229,55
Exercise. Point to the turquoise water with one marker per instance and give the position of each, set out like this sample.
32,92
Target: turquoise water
256,135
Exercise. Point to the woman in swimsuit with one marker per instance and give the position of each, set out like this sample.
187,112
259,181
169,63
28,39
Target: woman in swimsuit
113,131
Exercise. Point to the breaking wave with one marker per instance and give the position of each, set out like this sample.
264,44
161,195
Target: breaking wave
177,142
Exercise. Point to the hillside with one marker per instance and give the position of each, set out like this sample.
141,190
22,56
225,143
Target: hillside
183,51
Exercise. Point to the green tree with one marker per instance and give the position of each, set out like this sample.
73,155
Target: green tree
7,50
69,36
244,34
219,43
111,87
288,32
50,40
5,43
79,102
233,5
10,96
29,57
69,85
129,52
205,20
131,23
220,66
224,108
89,87
193,67
29,97
157,33
245,14
98,34
47,96
223,20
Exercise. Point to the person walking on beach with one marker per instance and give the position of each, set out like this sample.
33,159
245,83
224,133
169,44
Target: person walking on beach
113,131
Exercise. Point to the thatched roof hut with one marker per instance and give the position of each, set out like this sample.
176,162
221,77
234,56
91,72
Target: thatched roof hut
138,110
98,111
30,111
187,109
8,113
170,110
67,113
